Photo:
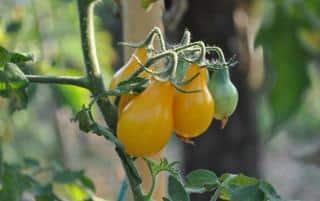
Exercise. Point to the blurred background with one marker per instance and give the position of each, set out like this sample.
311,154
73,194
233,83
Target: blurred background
274,133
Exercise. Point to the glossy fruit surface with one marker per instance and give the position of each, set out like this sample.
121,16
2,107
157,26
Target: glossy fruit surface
123,101
130,67
224,93
193,112
126,71
146,123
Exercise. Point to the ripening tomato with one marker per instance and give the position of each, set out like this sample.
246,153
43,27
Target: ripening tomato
193,112
146,123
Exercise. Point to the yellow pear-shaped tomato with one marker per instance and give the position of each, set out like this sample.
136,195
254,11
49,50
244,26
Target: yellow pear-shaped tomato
193,112
125,72
146,123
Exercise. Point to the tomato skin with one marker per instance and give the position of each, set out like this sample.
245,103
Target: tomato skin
146,123
129,68
123,101
224,92
125,72
193,112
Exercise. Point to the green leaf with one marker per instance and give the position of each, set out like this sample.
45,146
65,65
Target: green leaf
244,188
147,3
202,179
75,192
231,182
13,183
13,84
286,57
14,26
31,163
4,57
17,58
165,199
11,79
176,190
12,57
247,193
269,192
68,176
87,182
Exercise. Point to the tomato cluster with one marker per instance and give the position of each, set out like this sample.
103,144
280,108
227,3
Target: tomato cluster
168,104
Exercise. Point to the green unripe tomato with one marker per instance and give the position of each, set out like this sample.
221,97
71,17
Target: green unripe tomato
224,93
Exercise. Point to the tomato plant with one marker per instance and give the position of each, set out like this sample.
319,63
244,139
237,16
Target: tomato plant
147,102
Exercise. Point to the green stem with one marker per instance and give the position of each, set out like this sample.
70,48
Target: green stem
127,163
202,49
153,185
86,8
68,80
96,85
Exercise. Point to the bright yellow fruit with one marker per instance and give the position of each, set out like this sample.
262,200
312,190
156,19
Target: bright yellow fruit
146,123
193,112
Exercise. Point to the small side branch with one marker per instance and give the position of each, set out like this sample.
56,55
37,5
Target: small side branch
67,80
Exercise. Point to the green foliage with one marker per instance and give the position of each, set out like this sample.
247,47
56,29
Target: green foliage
164,165
233,187
59,184
286,54
241,187
201,180
13,85
176,190
13,183
12,57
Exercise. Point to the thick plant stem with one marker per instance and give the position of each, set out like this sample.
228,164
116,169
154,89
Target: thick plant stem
87,37
97,87
68,80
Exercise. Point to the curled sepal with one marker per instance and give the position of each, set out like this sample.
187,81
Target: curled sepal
181,90
193,48
155,32
163,165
